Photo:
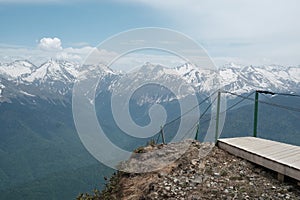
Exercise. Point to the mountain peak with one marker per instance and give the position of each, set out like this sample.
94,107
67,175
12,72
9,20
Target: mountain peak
55,69
17,69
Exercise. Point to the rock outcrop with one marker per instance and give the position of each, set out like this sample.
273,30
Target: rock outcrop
202,172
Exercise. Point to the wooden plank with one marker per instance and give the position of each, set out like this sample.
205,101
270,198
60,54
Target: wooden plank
280,157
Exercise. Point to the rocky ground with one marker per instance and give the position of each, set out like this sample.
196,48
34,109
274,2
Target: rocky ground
217,175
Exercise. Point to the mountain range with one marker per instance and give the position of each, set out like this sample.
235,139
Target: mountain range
54,79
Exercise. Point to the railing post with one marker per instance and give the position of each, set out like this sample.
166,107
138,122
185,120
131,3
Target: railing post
197,132
218,116
255,114
162,135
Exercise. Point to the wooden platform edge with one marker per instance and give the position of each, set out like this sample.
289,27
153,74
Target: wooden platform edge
265,162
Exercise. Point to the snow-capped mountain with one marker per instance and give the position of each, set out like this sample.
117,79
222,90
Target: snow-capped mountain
53,71
242,79
17,69
234,78
25,72
54,79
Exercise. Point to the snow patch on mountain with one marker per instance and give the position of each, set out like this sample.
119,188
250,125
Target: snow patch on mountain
27,94
294,74
1,89
94,70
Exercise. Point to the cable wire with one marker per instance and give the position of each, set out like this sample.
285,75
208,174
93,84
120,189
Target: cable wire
198,121
170,122
287,94
243,99
267,103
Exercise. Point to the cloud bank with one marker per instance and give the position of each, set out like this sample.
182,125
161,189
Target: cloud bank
253,30
52,48
47,48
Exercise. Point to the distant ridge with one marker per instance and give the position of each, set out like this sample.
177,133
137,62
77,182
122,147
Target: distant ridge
55,78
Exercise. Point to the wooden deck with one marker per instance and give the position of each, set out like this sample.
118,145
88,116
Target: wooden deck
280,157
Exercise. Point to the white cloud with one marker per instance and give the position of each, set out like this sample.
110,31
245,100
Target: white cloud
50,44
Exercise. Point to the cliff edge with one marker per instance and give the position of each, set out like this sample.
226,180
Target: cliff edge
202,172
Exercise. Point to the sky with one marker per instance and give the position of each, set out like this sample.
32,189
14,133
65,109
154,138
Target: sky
250,32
